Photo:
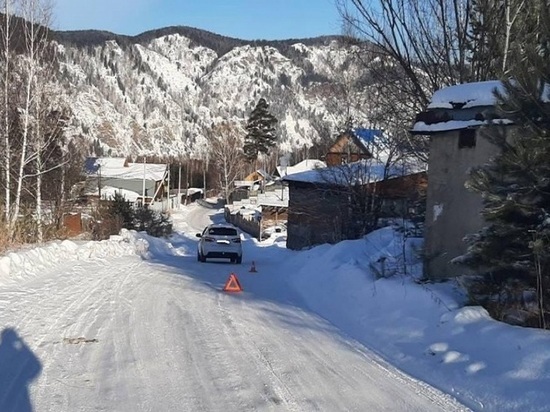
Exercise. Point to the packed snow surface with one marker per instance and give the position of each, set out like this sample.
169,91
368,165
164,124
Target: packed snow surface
135,323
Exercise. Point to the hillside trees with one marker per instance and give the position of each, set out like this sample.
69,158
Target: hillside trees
260,132
344,96
512,253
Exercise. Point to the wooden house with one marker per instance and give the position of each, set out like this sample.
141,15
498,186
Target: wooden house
350,146
257,177
324,204
403,195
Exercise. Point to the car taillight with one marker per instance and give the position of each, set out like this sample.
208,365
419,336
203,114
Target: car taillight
237,240
209,239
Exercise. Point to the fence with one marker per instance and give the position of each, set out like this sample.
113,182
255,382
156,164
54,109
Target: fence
218,205
246,223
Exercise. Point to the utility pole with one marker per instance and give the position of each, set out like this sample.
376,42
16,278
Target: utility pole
143,184
537,246
168,195
99,180
179,186
204,169
188,160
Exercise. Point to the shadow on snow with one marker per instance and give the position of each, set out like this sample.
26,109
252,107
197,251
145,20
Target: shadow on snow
18,368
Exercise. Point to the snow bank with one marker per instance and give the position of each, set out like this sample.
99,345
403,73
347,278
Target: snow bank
27,264
424,329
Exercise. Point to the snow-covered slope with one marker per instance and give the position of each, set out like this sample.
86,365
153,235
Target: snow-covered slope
158,93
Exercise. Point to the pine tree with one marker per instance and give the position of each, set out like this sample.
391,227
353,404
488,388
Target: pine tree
122,210
260,132
512,253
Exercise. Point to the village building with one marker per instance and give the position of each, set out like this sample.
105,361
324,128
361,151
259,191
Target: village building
137,182
321,209
457,121
351,146
306,164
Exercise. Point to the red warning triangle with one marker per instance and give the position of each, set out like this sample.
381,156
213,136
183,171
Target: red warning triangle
232,284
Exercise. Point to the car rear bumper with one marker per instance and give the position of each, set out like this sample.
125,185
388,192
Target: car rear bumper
220,254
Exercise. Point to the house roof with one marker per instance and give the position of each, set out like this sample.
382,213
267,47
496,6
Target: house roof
361,172
263,172
108,192
463,96
118,168
445,126
258,172
366,136
304,165
459,107
350,136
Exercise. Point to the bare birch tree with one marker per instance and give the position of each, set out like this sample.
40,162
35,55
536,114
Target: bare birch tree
36,14
491,33
421,45
426,38
424,45
346,97
226,153
47,145
6,36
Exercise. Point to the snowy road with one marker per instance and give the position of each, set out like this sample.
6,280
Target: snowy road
127,334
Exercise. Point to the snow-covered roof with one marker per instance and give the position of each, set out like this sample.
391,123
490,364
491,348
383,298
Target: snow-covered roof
361,172
193,190
421,127
304,165
366,136
466,95
274,198
115,168
108,192
461,106
111,162
474,94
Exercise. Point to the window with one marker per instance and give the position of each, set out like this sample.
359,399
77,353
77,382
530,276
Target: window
222,231
466,138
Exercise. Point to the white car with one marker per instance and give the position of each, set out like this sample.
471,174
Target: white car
220,241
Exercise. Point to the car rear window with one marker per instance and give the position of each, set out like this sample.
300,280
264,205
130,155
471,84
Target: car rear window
222,231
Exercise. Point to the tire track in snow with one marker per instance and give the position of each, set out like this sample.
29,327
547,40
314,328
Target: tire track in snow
185,346
44,343
70,304
288,359
277,392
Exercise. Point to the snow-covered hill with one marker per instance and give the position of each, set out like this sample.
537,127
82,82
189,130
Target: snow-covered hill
157,93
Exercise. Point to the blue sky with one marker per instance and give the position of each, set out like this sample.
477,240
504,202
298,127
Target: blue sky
244,19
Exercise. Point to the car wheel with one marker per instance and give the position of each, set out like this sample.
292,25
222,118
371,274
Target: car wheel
201,257
239,260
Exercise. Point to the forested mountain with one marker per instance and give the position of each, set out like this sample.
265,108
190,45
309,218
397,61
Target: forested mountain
159,92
